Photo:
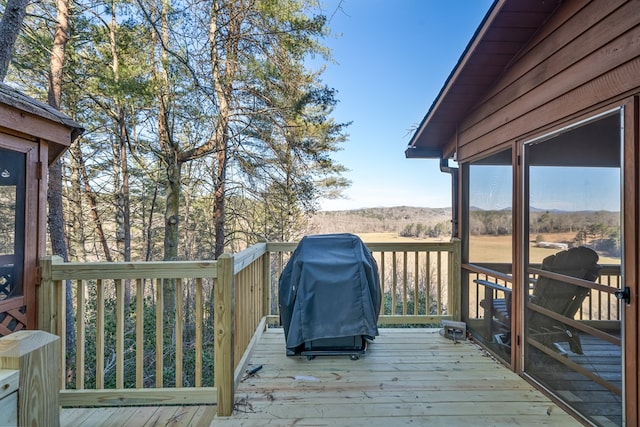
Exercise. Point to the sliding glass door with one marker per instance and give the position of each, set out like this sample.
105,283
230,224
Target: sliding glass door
572,256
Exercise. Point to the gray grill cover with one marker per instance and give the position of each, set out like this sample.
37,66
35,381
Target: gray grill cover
329,289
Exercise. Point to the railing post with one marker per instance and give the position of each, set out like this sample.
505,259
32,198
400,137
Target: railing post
48,315
224,330
455,280
35,354
266,284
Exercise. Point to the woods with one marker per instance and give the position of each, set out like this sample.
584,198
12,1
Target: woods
206,130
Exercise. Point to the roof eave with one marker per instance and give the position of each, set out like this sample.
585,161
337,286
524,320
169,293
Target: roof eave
449,83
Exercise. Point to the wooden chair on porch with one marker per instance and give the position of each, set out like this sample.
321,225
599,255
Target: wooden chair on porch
555,295
552,300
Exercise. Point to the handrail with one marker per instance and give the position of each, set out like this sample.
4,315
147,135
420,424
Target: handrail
488,272
100,290
236,291
412,274
573,280
131,270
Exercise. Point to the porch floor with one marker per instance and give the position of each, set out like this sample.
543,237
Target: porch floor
408,377
144,416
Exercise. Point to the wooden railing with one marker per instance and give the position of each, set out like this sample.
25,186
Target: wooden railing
132,348
129,350
599,305
419,281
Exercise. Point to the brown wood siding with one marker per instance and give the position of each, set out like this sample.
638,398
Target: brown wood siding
17,120
586,56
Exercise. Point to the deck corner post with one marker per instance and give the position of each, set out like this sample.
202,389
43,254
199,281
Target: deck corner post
224,330
455,280
36,355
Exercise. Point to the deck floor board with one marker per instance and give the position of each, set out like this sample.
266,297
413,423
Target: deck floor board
407,377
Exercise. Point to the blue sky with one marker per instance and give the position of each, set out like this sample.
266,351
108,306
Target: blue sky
392,57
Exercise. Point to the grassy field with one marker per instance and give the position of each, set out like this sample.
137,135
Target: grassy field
498,249
488,248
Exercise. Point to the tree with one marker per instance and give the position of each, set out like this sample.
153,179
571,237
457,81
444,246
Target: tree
12,18
54,194
283,140
201,109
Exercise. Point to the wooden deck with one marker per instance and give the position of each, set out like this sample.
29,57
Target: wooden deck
138,416
408,377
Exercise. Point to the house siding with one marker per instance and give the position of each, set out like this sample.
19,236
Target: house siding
585,57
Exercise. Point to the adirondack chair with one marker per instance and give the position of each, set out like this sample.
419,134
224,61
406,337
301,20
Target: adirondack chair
561,297
557,296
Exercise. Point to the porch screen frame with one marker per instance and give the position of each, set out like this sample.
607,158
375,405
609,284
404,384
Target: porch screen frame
524,201
32,228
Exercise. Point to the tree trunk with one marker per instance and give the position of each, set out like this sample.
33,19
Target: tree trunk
93,208
75,207
124,205
14,13
171,236
54,196
223,58
148,235
219,200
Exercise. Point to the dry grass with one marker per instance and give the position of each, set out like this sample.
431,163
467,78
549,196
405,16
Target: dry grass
498,249
488,248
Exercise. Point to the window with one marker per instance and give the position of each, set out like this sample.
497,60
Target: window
12,222
488,228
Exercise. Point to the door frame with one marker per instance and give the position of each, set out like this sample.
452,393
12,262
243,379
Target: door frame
631,262
630,232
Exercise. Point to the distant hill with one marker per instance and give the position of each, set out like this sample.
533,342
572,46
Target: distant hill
377,220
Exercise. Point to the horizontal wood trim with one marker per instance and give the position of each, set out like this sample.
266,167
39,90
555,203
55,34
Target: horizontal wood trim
377,247
481,270
282,246
575,323
29,124
139,397
243,259
573,280
620,82
594,68
411,247
560,45
11,304
134,270
273,319
386,320
16,143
